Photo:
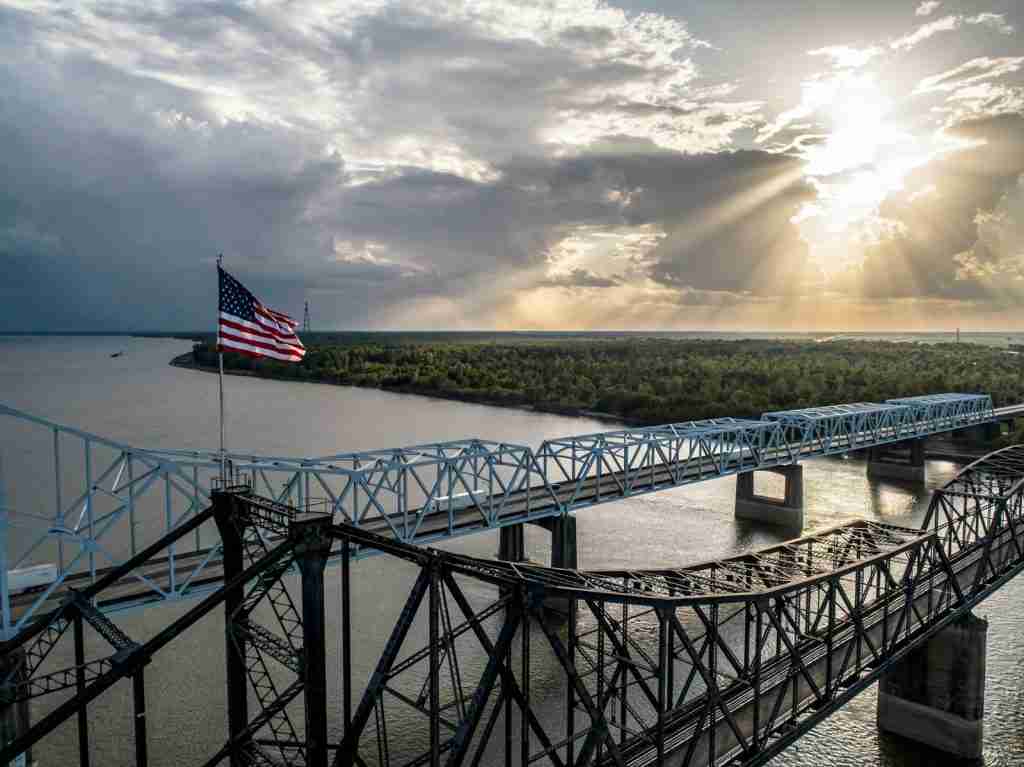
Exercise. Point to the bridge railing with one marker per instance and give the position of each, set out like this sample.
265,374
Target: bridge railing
836,429
631,461
419,493
984,496
943,412
109,499
107,502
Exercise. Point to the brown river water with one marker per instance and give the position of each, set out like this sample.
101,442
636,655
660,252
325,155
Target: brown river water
138,398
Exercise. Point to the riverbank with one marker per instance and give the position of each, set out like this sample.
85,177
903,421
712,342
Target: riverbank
644,381
188,361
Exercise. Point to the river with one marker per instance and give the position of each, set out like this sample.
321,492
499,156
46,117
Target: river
138,398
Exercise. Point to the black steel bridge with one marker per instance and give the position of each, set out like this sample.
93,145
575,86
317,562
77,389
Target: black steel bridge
720,663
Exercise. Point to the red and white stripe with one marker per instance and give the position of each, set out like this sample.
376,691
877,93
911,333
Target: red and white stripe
272,335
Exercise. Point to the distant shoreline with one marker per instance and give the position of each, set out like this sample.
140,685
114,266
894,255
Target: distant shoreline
188,362
176,336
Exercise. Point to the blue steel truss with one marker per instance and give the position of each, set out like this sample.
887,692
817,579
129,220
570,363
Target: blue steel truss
110,500
592,468
947,410
840,428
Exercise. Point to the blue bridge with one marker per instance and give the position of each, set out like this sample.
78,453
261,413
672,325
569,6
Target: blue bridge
124,496
724,662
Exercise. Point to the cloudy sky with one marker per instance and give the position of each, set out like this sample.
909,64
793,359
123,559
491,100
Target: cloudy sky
655,164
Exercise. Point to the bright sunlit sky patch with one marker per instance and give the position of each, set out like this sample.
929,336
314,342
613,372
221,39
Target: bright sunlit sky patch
544,164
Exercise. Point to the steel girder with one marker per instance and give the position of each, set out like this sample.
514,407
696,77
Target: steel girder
92,677
721,663
718,663
701,660
590,468
252,593
110,500
840,428
947,411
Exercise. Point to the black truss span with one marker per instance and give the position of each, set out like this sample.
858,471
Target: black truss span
720,663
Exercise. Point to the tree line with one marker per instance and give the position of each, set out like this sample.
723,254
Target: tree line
645,380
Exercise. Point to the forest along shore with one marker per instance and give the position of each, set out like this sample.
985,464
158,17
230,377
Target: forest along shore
639,381
188,360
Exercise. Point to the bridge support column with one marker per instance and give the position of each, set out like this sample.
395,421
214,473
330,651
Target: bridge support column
563,555
512,543
980,434
313,546
903,460
787,511
14,717
231,526
563,542
936,695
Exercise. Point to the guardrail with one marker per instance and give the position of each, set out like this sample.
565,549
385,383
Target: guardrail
109,499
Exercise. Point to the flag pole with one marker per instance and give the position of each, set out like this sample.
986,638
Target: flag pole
220,361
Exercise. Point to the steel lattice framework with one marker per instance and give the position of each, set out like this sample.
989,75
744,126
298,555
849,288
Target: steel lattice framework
719,663
111,499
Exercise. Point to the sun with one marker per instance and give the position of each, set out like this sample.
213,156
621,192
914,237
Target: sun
862,157
860,131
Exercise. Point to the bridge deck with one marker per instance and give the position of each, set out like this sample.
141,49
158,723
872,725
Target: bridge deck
202,571
776,639
408,493
781,680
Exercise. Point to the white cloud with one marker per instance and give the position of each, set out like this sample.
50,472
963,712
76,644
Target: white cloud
449,87
601,255
995,20
982,100
925,31
969,73
928,190
424,156
949,23
927,8
844,56
999,250
691,128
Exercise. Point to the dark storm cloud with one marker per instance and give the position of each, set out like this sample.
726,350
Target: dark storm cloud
337,152
114,216
377,154
581,278
726,216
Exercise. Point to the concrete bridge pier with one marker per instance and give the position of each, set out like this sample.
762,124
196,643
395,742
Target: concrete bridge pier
936,695
980,434
512,543
563,554
787,511
512,548
901,460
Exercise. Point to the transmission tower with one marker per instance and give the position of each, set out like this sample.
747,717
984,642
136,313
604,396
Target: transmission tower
305,319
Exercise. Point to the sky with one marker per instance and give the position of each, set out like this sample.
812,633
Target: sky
559,164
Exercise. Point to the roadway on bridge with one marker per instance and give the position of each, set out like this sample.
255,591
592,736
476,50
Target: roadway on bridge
520,506
607,467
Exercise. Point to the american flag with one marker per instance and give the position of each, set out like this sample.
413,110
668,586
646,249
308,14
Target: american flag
247,326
